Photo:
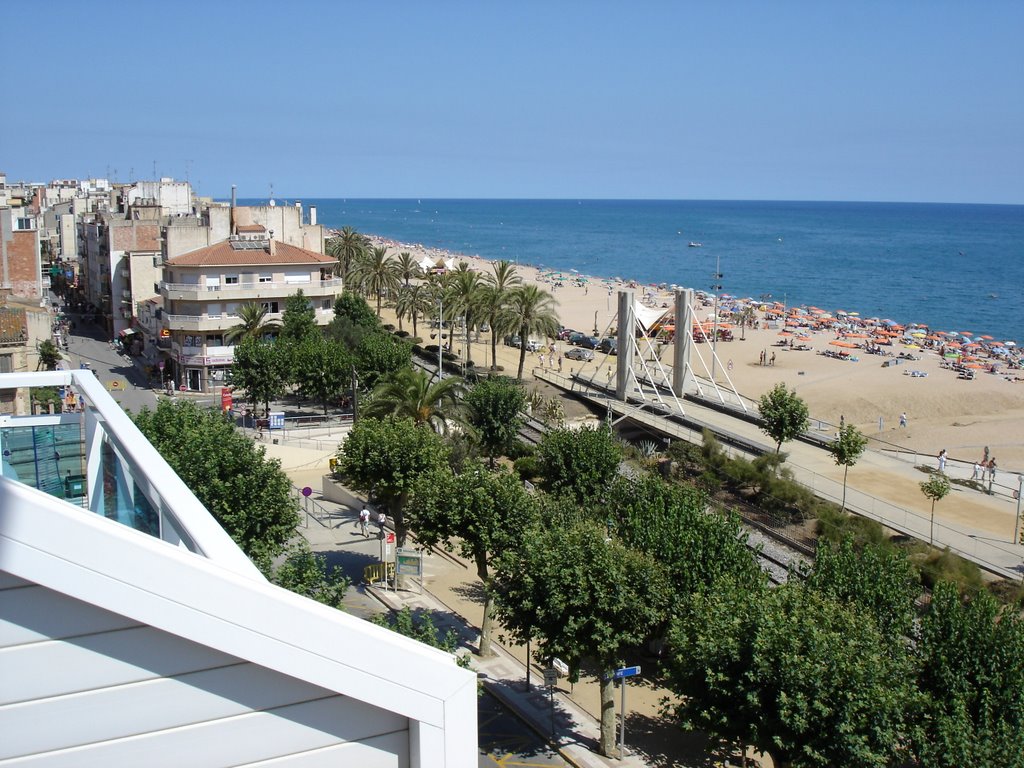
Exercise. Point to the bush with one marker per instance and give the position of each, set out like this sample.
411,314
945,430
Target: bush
389,328
936,566
527,467
403,334
835,525
518,448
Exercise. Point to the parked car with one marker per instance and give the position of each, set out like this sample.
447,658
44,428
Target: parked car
565,333
610,346
576,337
579,353
532,345
512,341
590,342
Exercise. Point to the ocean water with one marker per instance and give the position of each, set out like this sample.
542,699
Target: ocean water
951,267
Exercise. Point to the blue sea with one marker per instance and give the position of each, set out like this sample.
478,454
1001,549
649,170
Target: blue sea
949,266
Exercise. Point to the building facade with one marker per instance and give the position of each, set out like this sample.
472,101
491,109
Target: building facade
203,291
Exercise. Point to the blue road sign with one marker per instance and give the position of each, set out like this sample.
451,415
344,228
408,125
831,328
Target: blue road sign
626,672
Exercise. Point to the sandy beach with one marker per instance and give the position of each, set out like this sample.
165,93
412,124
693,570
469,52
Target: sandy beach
942,409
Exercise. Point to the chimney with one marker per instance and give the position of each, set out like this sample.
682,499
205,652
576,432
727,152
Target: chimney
312,215
233,190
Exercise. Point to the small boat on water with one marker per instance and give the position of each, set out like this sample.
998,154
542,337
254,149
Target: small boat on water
692,244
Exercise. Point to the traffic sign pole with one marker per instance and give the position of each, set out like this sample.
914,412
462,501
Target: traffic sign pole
624,674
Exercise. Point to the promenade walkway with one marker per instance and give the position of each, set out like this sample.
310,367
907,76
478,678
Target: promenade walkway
883,486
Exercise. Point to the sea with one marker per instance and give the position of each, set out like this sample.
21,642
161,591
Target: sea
951,267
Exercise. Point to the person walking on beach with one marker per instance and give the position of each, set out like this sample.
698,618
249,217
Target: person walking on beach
560,363
903,421
991,472
773,359
364,521
942,461
978,473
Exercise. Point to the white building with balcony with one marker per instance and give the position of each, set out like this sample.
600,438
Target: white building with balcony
204,289
133,631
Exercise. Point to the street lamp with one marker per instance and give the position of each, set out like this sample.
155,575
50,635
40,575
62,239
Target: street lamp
440,337
714,338
1016,522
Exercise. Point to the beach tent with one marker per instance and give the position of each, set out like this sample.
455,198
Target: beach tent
647,316
427,264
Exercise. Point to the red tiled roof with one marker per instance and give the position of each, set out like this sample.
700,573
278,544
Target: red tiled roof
226,254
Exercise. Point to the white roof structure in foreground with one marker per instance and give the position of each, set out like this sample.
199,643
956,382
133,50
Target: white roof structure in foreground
121,648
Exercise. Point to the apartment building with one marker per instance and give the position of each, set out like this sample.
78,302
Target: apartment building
21,265
204,289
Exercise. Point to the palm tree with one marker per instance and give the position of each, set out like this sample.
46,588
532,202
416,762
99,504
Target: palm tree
412,301
494,297
255,324
347,248
376,273
532,311
746,317
464,297
409,393
408,267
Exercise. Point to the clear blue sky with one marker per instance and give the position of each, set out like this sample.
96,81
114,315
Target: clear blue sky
901,101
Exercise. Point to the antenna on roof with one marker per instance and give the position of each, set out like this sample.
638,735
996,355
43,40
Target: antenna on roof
272,201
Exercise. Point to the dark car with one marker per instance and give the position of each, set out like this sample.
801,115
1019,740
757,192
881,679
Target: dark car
512,341
575,338
590,342
610,346
579,353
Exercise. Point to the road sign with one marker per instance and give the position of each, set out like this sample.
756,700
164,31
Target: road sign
391,538
161,365
409,562
307,491
626,672
550,677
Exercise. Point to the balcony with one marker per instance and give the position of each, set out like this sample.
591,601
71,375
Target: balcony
249,291
193,323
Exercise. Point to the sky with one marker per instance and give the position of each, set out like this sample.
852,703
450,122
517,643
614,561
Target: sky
885,101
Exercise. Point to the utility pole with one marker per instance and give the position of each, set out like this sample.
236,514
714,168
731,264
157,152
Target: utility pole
440,338
714,338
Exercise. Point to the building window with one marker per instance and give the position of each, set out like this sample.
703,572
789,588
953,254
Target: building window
271,306
325,304
6,363
266,278
190,341
156,261
231,280
214,340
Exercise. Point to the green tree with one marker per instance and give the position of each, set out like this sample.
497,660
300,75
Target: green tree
376,273
581,462
846,450
530,310
353,319
255,324
783,415
348,247
792,672
379,355
879,579
494,298
322,369
698,547
477,513
386,457
971,678
299,319
747,316
413,302
935,489
463,299
496,409
422,629
307,573
408,267
409,393
248,494
49,356
260,371
581,598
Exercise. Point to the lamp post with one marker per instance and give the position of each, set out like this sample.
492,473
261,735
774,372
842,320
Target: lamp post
714,338
440,337
1016,522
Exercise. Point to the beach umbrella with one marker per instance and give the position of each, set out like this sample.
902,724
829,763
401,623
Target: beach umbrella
987,338
785,333
919,335
966,333
844,344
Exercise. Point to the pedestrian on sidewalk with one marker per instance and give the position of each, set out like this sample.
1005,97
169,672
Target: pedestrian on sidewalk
979,473
942,461
991,473
364,521
903,421
382,520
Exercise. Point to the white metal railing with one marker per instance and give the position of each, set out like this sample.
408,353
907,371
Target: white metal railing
241,287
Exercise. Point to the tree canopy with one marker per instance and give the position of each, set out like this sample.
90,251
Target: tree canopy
784,415
846,450
495,408
260,370
410,393
386,457
579,461
246,492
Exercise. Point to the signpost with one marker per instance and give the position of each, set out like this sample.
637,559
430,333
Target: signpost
623,674
551,680
409,562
